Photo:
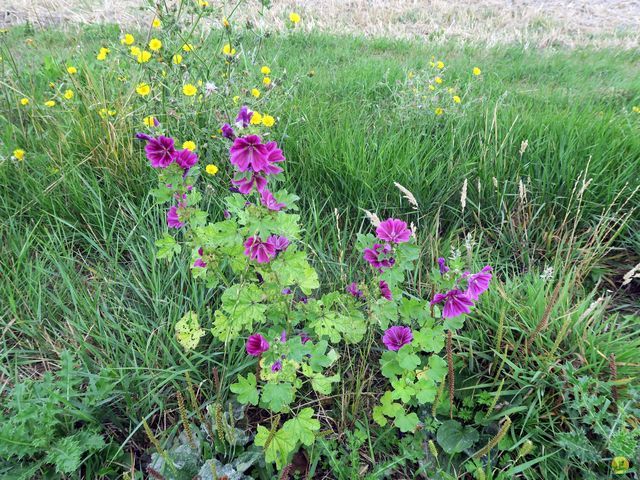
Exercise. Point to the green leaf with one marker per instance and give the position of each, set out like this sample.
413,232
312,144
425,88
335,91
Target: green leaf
65,455
403,389
407,359
455,438
293,268
387,408
220,234
322,384
246,389
280,446
277,396
407,423
389,364
455,323
188,331
426,390
303,426
437,368
429,339
167,247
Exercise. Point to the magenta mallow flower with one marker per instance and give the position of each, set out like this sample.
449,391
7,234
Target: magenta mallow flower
385,291
256,345
442,263
269,201
160,151
353,289
173,220
273,155
256,249
478,283
248,153
276,366
185,158
279,243
456,302
244,117
227,131
394,231
199,262
379,256
246,184
396,337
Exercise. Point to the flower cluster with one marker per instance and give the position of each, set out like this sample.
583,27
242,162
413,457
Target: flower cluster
467,288
393,232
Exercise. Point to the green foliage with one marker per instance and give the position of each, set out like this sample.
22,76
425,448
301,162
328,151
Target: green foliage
456,438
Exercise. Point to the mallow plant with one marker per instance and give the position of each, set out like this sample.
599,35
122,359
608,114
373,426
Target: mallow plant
271,296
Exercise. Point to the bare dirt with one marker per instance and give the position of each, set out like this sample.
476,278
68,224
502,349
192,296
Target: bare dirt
535,23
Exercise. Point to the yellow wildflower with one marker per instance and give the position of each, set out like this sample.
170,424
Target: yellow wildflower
189,145
439,111
255,92
50,103
268,121
440,65
456,99
143,89
187,47
228,50
211,169
265,70
256,118
225,22
144,56
68,94
72,70
266,81
149,121
24,101
476,71
236,98
18,153
127,39
294,17
189,90
155,44
438,80
156,23
177,59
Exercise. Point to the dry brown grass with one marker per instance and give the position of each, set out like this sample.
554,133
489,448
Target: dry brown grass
535,23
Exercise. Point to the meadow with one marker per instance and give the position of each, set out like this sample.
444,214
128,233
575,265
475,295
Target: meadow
119,359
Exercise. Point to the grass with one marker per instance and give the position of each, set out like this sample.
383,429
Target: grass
78,226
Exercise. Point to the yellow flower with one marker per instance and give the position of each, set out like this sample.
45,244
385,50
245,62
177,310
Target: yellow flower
156,23
127,39
189,145
636,109
102,54
68,94
266,81
450,90
187,47
438,80
439,111
456,99
177,59
256,118
211,169
255,92
225,22
440,65
135,51
204,3
24,101
476,71
620,465
50,103
155,44
143,89
144,56
265,70
72,70
236,98
18,153
189,90
228,50
294,17
268,121
149,121
411,75
432,87
432,64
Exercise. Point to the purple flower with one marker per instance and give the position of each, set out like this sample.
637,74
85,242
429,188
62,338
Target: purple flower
395,338
384,290
248,153
160,151
478,283
394,231
143,136
245,184
456,302
443,266
353,289
378,256
199,262
185,158
278,242
273,156
226,214
256,345
277,366
227,131
269,201
304,337
244,117
286,291
283,336
173,220
256,249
